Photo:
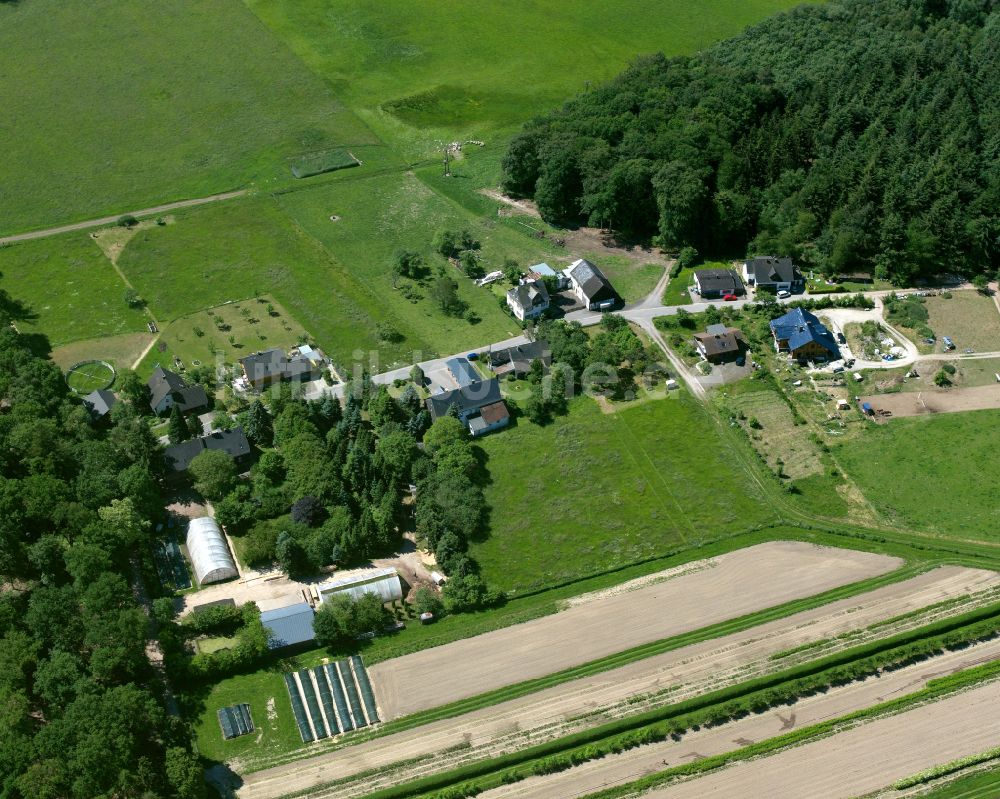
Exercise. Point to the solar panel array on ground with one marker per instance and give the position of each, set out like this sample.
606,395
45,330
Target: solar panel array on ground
330,699
170,566
235,721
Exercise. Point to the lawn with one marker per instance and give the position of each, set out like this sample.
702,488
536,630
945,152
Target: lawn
120,351
134,104
246,248
926,472
676,292
968,317
602,490
424,72
71,289
226,333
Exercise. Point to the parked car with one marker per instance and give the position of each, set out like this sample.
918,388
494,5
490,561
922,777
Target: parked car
838,369
849,363
729,297
841,338
784,294
473,356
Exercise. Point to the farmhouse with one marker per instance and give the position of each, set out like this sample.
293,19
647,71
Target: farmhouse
383,582
100,403
529,300
288,626
233,442
590,286
713,283
262,369
720,344
517,360
776,274
803,336
480,406
209,551
167,389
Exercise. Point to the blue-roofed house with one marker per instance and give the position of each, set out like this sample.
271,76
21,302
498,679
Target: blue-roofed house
288,626
465,373
803,336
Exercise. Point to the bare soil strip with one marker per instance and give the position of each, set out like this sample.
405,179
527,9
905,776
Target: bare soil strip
956,400
863,759
587,702
629,766
735,584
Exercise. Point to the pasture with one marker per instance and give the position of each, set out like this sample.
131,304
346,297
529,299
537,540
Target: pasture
968,317
70,289
926,472
246,248
602,490
133,105
419,73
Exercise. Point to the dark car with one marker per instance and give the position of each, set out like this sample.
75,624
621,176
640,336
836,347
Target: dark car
841,338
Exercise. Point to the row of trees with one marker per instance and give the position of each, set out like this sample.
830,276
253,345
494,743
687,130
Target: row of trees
82,713
851,136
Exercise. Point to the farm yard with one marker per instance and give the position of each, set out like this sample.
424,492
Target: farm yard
603,496
919,403
687,670
969,318
863,759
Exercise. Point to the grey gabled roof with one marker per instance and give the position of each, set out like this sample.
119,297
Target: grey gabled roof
591,280
274,363
233,442
163,382
768,269
529,295
722,280
100,402
463,371
289,625
716,342
468,398
520,356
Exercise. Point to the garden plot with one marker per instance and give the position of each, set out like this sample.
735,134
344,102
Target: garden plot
928,402
696,595
623,768
655,681
862,759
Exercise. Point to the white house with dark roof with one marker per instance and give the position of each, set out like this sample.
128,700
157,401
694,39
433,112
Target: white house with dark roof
167,389
777,274
529,300
590,286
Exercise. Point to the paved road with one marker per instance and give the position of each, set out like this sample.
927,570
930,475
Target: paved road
110,220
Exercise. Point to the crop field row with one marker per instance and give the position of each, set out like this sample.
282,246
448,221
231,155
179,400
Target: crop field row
622,768
725,587
862,759
655,681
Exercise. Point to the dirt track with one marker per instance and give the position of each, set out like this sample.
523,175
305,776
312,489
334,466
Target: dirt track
700,594
863,759
918,403
628,766
579,704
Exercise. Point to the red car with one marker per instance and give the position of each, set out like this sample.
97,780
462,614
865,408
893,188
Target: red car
729,297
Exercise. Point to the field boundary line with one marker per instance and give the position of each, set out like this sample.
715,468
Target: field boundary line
110,220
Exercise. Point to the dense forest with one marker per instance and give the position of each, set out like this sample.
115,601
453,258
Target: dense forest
853,135
81,709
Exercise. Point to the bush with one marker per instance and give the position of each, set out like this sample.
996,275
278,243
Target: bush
127,221
941,379
949,368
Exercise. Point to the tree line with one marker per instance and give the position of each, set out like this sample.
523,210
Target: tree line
83,715
853,136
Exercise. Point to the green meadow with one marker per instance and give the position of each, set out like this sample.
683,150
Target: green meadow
594,491
926,472
116,105
422,72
